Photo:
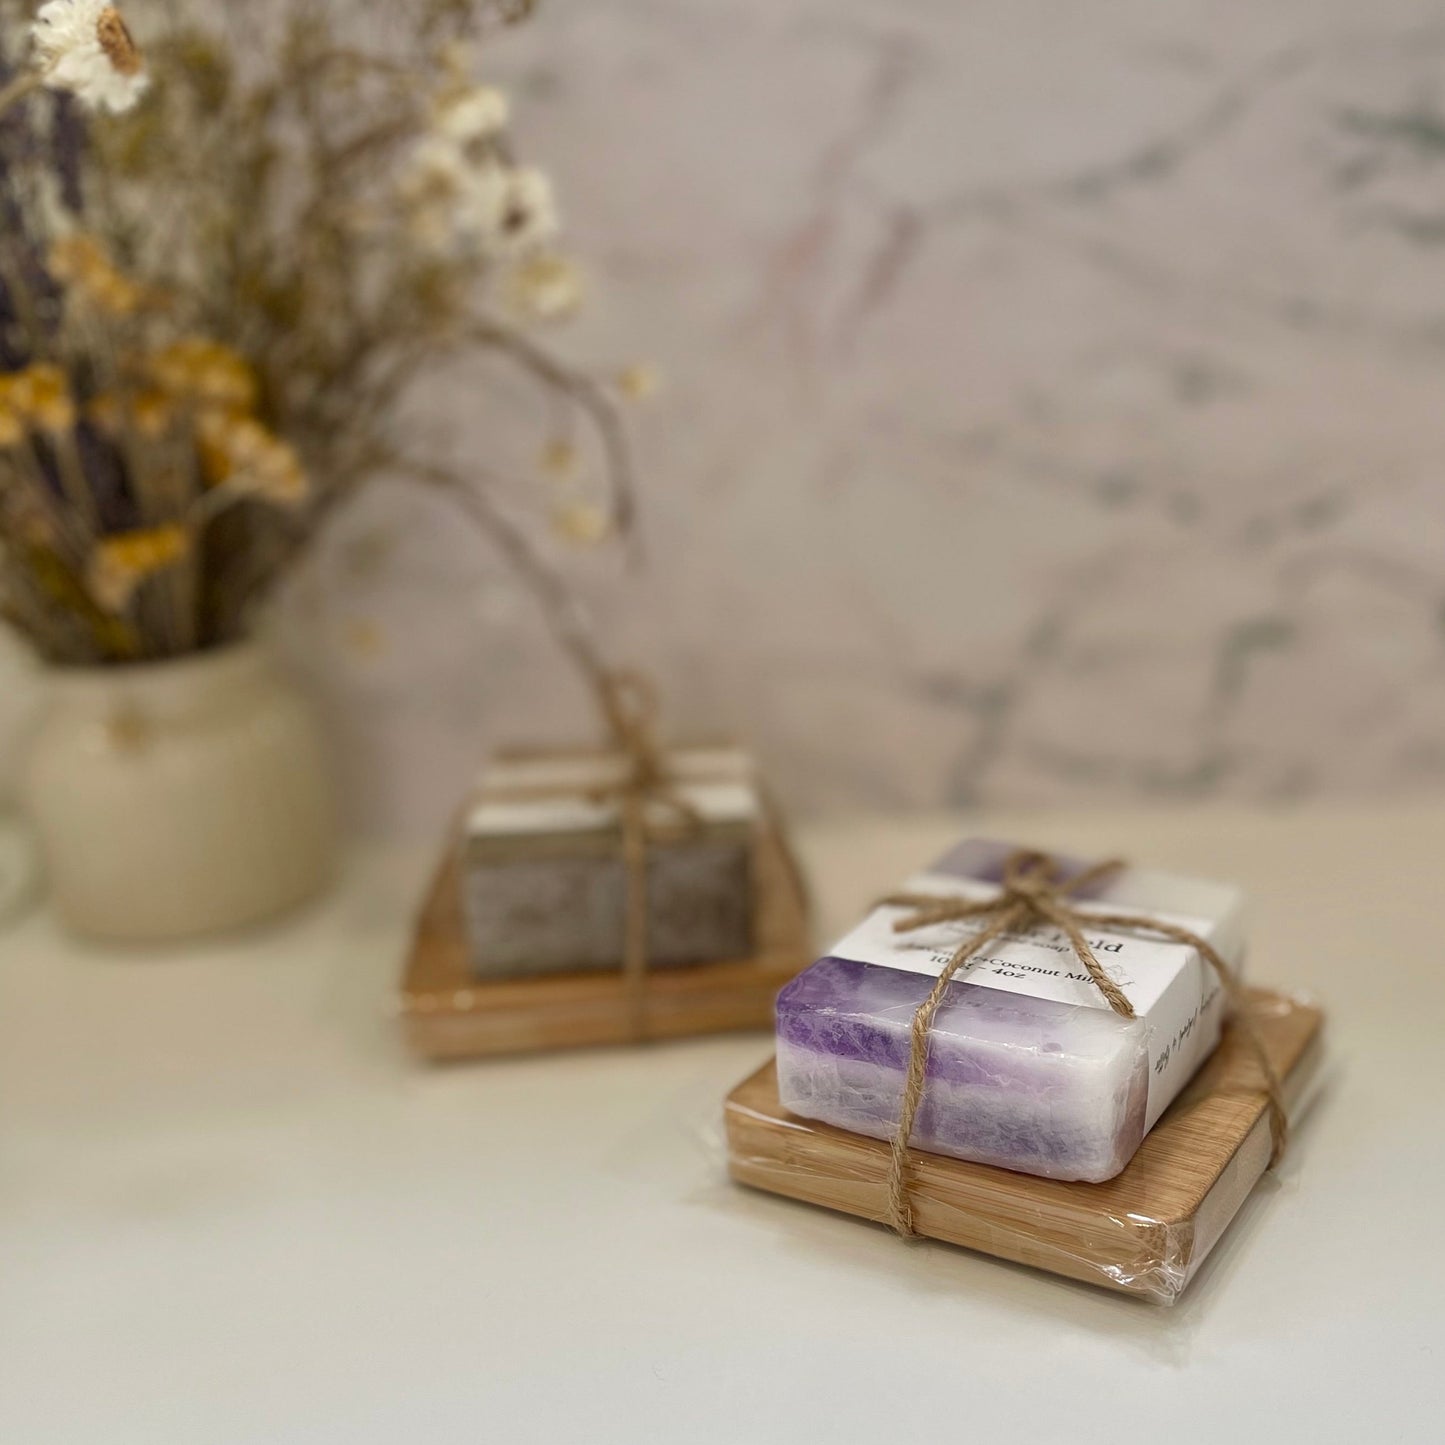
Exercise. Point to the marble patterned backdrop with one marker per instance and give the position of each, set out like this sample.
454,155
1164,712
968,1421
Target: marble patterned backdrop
1054,405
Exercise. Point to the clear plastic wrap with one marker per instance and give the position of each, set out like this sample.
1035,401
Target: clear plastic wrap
1145,1232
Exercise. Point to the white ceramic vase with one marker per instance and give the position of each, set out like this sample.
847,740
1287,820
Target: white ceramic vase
179,797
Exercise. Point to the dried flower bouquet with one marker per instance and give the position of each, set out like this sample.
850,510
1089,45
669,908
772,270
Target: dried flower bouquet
227,252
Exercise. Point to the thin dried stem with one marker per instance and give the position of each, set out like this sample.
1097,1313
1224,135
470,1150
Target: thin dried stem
559,608
590,397
19,88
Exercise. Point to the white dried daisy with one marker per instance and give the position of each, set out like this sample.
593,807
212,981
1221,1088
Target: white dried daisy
477,113
454,205
436,170
474,204
83,46
529,213
545,287
482,205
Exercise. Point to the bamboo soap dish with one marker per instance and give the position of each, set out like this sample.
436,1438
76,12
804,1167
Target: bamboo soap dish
450,1013
1145,1232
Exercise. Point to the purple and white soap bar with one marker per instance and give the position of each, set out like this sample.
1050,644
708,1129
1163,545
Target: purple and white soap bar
1028,1067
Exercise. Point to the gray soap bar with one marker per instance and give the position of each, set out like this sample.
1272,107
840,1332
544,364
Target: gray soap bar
545,888
540,915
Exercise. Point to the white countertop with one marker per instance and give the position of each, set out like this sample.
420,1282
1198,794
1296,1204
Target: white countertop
231,1210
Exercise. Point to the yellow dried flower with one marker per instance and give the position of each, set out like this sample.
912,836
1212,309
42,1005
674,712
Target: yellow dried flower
584,524
71,255
123,560
364,637
153,412
204,371
40,393
81,262
213,443
545,288
239,453
559,458
639,381
150,412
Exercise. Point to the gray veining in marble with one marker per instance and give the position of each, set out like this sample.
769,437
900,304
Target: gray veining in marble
1053,407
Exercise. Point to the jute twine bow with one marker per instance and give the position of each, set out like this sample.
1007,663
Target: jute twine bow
1034,892
649,805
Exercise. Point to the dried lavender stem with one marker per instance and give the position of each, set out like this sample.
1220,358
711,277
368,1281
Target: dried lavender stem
72,477
18,290
32,470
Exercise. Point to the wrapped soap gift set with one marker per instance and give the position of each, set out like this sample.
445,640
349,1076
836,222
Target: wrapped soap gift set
1044,1060
1022,1054
576,906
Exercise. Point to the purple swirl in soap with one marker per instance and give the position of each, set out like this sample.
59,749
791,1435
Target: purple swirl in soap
863,1011
1052,1088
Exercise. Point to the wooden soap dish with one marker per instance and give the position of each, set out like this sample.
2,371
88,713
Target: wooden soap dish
449,1013
1145,1232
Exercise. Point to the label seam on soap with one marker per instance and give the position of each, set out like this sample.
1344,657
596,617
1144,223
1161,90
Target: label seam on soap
723,802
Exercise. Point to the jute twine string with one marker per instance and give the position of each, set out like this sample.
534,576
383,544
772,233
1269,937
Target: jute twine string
1034,892
649,805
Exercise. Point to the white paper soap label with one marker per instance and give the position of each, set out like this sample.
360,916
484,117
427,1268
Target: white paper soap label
506,817
1172,989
